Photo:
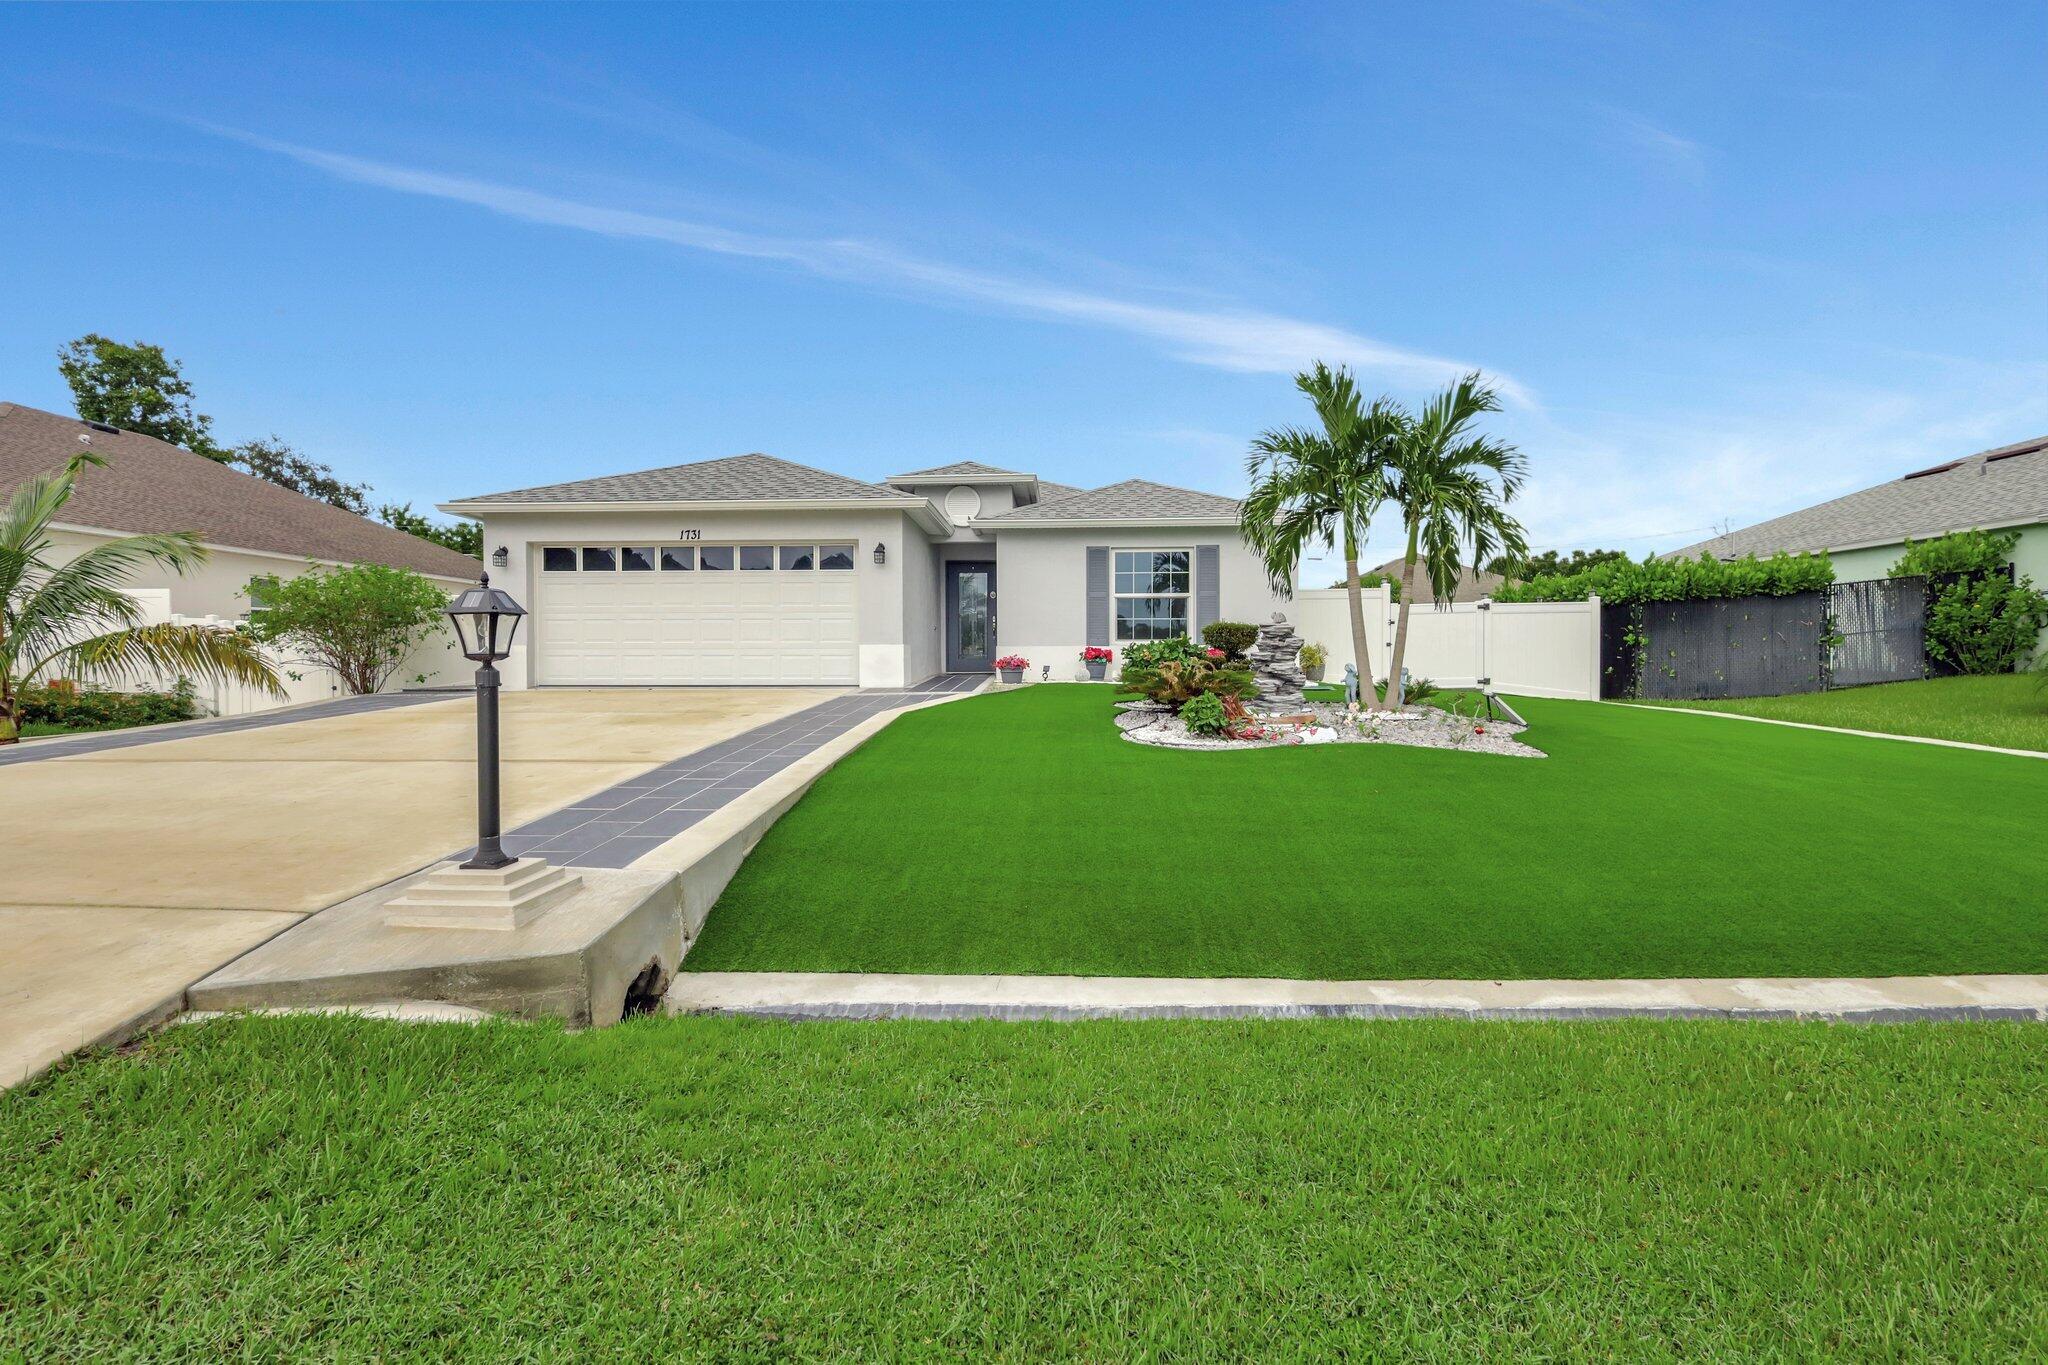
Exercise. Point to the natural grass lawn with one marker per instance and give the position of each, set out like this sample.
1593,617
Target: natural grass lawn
703,1188
1018,833
2009,710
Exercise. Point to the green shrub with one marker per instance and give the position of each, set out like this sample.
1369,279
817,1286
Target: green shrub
1677,580
1175,683
1232,637
1204,714
1152,653
1313,657
1979,619
65,704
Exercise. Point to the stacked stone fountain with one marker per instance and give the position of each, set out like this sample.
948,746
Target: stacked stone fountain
1276,668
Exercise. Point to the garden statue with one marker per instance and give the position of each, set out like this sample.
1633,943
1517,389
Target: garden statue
1351,687
1275,671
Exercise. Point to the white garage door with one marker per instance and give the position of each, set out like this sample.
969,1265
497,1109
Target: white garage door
635,615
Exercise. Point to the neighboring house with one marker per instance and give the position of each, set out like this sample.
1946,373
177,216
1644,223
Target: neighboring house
1473,584
250,525
754,570
1864,533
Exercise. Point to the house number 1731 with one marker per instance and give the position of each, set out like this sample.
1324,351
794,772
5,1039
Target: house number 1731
691,534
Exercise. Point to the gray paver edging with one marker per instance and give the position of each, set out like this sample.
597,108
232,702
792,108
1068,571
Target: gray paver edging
100,741
829,995
1836,729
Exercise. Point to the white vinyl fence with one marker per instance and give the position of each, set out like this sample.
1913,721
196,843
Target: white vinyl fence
434,663
1535,649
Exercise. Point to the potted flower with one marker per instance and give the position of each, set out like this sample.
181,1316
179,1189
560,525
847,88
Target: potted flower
1012,666
1313,658
1097,658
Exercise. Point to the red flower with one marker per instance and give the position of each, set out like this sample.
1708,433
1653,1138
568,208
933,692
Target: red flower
1215,653
1479,729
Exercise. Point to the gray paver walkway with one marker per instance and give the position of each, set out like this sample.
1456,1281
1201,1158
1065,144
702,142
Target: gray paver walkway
617,825
68,746
881,995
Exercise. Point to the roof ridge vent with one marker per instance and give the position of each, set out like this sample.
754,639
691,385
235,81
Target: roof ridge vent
107,427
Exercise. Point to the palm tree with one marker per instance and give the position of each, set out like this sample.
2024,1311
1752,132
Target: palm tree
1321,487
1452,487
73,619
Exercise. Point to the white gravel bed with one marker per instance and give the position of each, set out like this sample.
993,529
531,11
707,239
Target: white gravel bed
1426,727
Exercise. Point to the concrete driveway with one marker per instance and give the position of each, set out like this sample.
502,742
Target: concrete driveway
136,871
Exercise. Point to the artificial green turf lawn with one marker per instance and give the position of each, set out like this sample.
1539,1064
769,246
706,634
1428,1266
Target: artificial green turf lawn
1223,1190
1018,833
2009,710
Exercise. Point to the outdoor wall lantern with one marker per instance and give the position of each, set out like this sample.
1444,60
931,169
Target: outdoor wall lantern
501,557
881,553
486,619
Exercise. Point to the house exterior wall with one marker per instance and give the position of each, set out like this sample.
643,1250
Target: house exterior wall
883,623
1041,585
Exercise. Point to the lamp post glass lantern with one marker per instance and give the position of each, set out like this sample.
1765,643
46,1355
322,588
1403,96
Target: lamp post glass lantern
485,620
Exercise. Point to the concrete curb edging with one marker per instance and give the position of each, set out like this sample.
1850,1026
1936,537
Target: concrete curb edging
830,995
706,856
1835,729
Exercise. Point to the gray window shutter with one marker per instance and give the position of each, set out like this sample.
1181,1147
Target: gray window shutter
1208,568
1098,595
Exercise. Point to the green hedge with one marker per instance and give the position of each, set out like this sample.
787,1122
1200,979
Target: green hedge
1624,582
1980,618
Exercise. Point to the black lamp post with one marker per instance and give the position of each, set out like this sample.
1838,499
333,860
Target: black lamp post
486,619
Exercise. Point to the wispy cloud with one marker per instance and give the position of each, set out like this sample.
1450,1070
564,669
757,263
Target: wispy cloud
1244,340
1680,157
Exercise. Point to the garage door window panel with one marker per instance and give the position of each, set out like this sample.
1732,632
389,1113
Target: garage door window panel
839,557
557,559
713,558
599,559
754,558
637,559
679,557
797,557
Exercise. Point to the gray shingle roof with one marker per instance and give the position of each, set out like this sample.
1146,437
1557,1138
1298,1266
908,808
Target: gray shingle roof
737,478
1133,500
1048,490
152,486
2005,485
964,467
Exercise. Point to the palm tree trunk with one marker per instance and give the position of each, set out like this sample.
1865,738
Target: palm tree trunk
1401,629
1357,600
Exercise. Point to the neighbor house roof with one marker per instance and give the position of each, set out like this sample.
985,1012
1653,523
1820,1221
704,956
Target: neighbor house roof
153,486
2007,486
1473,584
1131,500
736,478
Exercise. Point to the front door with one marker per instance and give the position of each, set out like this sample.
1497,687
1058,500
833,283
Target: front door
970,617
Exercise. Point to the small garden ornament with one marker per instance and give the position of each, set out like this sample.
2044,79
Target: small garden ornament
1351,687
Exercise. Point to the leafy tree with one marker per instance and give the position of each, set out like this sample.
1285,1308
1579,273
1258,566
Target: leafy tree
361,621
1232,637
72,618
1550,563
1980,618
1321,486
277,462
138,388
463,537
1452,487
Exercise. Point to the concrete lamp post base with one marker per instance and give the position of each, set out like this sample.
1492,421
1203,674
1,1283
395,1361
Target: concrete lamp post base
455,897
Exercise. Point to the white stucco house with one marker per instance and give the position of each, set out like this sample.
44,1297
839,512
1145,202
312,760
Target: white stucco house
753,570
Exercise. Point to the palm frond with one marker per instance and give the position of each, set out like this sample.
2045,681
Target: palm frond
208,653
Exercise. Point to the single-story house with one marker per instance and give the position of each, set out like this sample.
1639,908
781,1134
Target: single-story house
249,525
1864,533
756,570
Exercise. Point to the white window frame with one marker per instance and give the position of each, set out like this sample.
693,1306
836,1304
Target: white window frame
1115,617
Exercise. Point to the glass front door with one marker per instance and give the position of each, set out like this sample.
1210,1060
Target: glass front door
970,617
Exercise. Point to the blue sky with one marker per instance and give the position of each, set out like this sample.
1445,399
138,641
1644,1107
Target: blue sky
1727,259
